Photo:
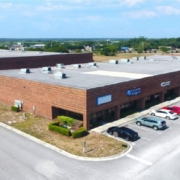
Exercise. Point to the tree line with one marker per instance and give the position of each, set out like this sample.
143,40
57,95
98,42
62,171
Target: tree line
106,47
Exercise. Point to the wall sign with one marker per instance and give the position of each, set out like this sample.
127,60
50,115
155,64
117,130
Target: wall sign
167,83
104,99
133,92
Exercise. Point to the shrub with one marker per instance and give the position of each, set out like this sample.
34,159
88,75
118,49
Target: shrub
124,145
14,108
66,120
60,129
79,133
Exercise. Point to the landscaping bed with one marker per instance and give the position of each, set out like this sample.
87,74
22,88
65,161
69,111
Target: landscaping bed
97,145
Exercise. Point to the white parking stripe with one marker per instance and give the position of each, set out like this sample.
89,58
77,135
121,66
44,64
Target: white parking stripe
144,128
176,122
145,138
139,159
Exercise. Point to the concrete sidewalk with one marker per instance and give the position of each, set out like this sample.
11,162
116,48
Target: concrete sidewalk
129,118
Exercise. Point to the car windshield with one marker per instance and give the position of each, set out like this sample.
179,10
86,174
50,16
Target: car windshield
171,112
163,122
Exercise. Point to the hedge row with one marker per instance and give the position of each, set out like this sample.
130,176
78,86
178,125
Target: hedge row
60,129
54,126
79,133
65,120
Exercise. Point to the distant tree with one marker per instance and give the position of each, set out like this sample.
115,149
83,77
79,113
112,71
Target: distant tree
140,48
164,49
109,50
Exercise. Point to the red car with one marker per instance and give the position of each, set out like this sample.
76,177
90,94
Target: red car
175,109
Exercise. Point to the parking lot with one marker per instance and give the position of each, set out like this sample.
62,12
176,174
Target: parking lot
152,144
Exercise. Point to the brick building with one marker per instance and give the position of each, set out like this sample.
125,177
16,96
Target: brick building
93,92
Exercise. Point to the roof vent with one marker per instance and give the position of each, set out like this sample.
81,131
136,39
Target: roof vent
59,75
112,61
93,65
47,70
76,66
142,57
124,60
60,66
135,58
25,71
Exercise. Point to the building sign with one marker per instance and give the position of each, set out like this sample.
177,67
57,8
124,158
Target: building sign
133,92
163,84
104,99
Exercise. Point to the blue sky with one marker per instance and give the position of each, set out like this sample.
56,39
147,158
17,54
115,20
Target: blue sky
89,18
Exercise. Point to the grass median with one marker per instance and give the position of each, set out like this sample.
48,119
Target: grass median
97,145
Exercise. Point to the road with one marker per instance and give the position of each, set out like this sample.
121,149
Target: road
24,159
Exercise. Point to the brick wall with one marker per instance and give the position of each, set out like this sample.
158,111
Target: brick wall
42,96
149,86
41,61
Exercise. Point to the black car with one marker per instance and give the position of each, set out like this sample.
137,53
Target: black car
123,132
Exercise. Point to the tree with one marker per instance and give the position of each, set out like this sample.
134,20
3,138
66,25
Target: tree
140,48
164,49
109,50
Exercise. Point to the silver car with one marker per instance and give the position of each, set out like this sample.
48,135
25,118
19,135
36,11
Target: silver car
150,121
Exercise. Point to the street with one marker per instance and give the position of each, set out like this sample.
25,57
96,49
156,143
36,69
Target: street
155,157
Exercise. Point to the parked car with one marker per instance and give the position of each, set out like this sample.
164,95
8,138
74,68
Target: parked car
123,132
150,121
174,109
164,113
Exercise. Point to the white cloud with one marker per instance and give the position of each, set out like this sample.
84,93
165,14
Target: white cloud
27,13
5,5
50,7
139,14
132,2
168,10
90,18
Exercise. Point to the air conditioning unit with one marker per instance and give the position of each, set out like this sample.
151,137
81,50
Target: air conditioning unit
25,71
47,70
93,65
124,60
76,66
59,75
18,103
112,61
60,66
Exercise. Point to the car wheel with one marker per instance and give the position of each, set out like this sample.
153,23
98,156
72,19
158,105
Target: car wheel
167,117
152,114
138,123
115,134
155,128
127,138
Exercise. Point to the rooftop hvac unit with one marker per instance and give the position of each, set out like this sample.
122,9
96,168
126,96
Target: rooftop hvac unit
93,65
60,66
124,60
59,75
46,70
142,57
135,58
25,71
112,61
76,66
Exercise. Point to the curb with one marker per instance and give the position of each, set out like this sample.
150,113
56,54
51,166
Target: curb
65,153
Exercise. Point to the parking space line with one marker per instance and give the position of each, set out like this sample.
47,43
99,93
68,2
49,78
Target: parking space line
174,122
140,127
139,159
146,138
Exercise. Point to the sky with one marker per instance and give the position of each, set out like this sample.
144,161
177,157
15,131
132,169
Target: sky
89,18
